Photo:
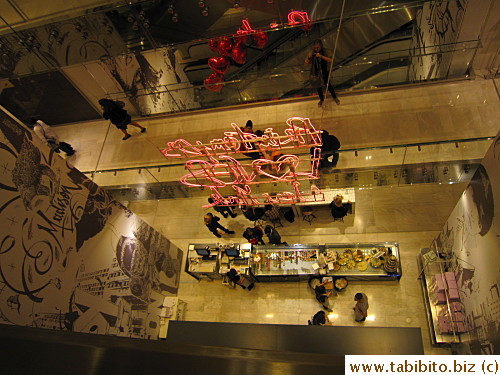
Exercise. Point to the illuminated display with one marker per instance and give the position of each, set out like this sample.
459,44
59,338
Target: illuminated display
237,141
274,165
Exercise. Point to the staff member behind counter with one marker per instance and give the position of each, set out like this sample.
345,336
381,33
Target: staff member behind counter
239,279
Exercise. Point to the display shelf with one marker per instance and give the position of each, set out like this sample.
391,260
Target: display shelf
288,262
358,261
445,311
351,261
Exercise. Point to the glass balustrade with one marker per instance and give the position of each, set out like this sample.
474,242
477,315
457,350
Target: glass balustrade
444,162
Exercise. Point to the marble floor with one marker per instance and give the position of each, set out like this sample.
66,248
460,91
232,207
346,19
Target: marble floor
407,215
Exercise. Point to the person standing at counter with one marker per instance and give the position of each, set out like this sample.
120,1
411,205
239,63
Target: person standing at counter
212,223
339,209
361,308
322,296
239,279
254,235
273,235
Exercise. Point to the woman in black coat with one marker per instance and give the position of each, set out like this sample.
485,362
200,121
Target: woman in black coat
118,116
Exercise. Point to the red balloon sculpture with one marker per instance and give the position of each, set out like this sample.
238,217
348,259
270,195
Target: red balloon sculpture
213,44
219,64
260,39
225,46
239,53
212,80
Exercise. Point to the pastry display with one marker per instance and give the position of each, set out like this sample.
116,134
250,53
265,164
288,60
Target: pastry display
362,266
351,264
342,261
348,253
358,256
336,266
376,262
391,264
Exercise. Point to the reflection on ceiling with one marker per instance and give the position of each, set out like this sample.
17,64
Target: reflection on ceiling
153,55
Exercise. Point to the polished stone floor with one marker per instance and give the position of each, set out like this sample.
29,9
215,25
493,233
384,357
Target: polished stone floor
407,215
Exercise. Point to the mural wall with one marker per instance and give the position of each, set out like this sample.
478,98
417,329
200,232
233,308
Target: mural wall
153,81
71,258
470,238
437,24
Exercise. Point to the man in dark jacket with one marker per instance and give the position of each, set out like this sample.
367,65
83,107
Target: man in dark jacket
273,235
329,154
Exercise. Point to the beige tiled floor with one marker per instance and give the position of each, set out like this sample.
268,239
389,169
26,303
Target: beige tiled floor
409,215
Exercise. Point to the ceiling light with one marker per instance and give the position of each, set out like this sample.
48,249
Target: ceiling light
175,17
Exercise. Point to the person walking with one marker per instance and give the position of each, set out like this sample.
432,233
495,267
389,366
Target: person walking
118,116
212,223
320,72
49,137
361,308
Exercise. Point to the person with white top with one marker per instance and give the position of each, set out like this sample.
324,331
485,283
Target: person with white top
49,137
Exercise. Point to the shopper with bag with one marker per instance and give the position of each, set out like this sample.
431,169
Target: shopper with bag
49,137
320,72
254,235
114,111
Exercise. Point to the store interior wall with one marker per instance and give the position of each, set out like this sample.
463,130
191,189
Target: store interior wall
470,238
72,258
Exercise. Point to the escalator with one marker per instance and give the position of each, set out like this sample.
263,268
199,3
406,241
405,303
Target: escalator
278,71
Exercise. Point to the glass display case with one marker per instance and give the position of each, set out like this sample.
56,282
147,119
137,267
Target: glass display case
445,311
361,261
354,261
283,262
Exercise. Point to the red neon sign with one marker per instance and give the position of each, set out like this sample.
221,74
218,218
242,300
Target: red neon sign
245,28
299,18
221,170
244,197
303,135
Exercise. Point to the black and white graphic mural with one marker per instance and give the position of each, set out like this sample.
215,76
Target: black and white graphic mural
71,258
437,27
153,81
471,238
48,47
